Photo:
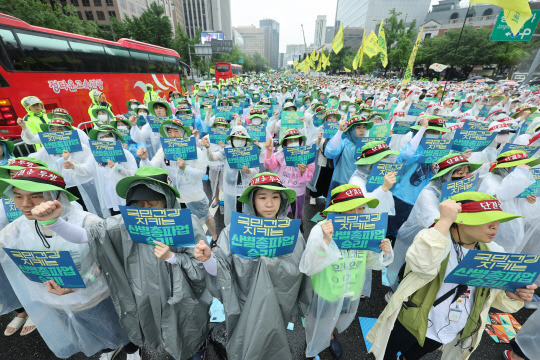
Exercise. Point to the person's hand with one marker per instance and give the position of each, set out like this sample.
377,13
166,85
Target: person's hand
467,153
449,210
389,181
328,230
195,132
162,251
342,125
525,295
142,153
245,169
66,154
269,145
210,107
319,135
222,144
205,142
531,199
424,122
238,121
202,251
255,142
181,163
68,165
110,163
276,113
54,288
48,210
133,120
21,123
302,168
302,119
385,246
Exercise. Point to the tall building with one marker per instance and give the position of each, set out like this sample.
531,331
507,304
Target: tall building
352,37
255,40
272,27
238,39
208,15
294,52
330,33
369,13
320,30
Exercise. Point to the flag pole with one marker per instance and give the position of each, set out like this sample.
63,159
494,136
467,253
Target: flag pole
455,52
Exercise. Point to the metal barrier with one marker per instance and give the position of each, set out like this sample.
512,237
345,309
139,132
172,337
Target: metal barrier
23,149
87,129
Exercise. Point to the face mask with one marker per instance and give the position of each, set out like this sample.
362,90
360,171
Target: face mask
294,144
239,142
256,121
344,107
133,106
108,139
502,138
431,136
307,104
144,115
352,109
122,127
103,117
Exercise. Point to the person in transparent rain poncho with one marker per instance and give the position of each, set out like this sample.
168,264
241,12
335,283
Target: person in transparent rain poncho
260,295
335,301
69,320
451,167
525,346
215,168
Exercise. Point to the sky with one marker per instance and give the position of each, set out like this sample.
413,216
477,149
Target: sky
290,14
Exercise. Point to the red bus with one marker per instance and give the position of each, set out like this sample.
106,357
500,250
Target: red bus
61,68
226,71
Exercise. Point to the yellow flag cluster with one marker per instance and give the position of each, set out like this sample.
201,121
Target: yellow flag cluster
408,73
357,62
371,47
337,43
382,45
516,12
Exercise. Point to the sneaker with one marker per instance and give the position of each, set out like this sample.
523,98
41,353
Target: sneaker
135,356
506,355
335,348
312,201
388,295
532,305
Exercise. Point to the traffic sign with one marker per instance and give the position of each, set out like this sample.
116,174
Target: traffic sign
501,31
241,60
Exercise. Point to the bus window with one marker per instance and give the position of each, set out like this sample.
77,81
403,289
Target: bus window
156,64
140,62
120,60
15,57
169,65
223,68
89,58
46,53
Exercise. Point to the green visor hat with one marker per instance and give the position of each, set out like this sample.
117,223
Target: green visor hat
37,180
173,123
94,133
55,122
514,158
347,197
162,102
373,152
293,134
221,121
149,173
434,123
332,112
269,181
128,104
19,164
451,162
59,113
102,108
357,120
239,132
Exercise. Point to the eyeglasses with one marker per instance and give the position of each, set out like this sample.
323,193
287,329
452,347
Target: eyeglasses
150,203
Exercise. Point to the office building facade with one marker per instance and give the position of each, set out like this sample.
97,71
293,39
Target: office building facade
272,28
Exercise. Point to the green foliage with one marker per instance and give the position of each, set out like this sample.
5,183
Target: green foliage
399,41
153,27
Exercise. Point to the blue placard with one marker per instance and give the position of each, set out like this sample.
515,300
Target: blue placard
382,130
530,150
330,129
465,107
242,156
205,110
476,140
257,132
252,236
41,266
291,119
125,135
417,108
155,122
475,125
402,127
378,171
172,227
332,104
187,119
451,188
534,188
434,149
449,119
105,150
484,111
363,141
318,120
55,142
218,134
11,210
365,96
360,231
495,270
183,148
227,112
299,155
141,120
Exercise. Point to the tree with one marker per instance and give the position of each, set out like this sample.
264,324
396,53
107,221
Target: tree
153,27
399,40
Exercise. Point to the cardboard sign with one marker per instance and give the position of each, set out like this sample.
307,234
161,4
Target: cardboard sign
378,171
11,210
242,156
41,266
253,237
155,122
183,148
187,119
171,227
434,149
494,270
417,108
359,232
299,155
476,140
107,150
218,134
382,130
257,132
451,188
534,188
402,127
291,119
55,142
330,129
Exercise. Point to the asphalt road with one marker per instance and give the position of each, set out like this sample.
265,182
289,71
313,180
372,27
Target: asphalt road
33,347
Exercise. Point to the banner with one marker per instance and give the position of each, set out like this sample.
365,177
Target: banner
382,45
41,266
300,155
187,119
451,188
371,47
476,140
410,66
105,150
252,236
291,119
172,227
382,130
378,171
360,231
417,108
242,156
218,134
434,149
11,210
534,188
495,270
337,42
183,148
516,12
402,127
55,142
330,129
257,132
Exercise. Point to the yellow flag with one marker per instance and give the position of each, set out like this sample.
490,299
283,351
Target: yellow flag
295,63
355,61
337,43
318,67
371,46
361,51
408,73
382,45
516,12
347,70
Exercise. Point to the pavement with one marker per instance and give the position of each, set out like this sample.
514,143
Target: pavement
34,348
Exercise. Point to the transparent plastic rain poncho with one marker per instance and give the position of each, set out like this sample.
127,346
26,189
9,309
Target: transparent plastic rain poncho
83,321
507,186
8,300
335,302
260,296
527,337
161,306
147,136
